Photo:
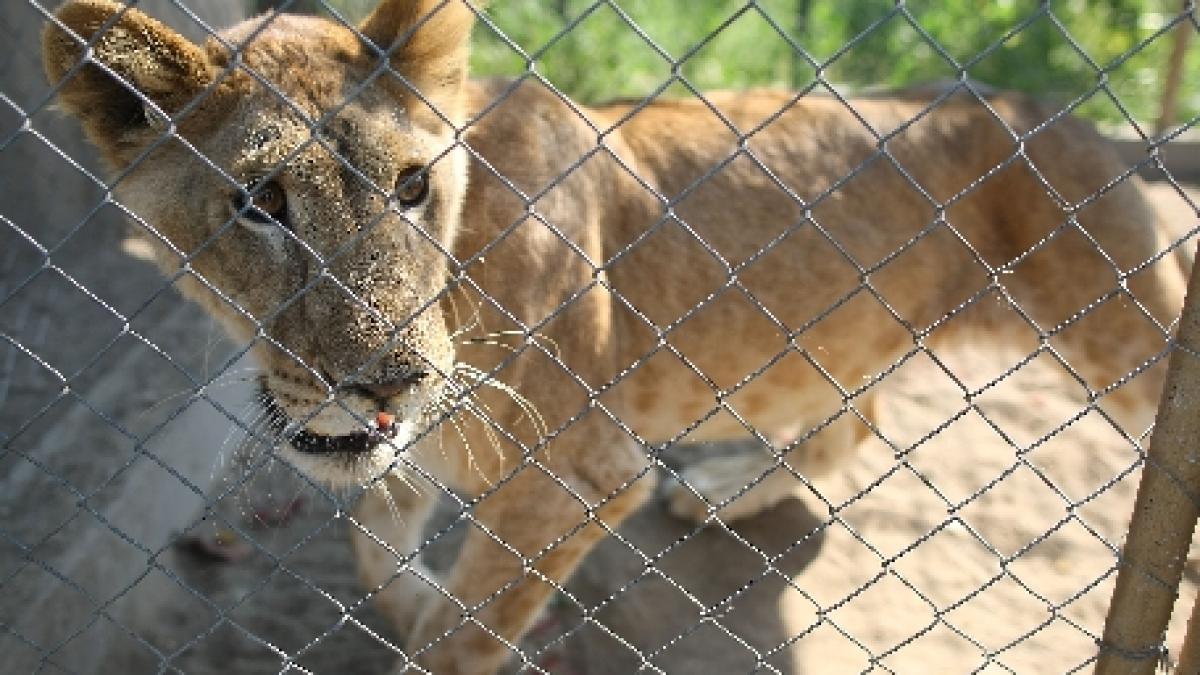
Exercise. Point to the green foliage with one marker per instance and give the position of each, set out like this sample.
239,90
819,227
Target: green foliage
1060,49
604,56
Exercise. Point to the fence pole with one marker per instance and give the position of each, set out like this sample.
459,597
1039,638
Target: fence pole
1174,75
1164,514
1189,655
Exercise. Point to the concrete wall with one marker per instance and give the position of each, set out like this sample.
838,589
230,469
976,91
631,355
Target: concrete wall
89,494
1180,157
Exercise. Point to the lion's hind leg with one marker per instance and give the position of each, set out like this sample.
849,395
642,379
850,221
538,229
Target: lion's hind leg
1104,292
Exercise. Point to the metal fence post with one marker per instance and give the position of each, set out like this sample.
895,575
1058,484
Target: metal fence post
1164,514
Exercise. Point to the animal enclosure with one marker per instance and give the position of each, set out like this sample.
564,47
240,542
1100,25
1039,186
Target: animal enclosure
149,520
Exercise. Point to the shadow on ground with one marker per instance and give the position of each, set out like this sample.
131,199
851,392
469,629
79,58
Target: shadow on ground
709,602
684,598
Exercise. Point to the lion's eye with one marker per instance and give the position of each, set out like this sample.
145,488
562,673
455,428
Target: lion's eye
267,203
412,187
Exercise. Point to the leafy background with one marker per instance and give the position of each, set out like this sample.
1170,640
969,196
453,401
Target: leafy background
1058,50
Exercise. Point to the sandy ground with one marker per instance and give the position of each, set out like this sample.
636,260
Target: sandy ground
963,556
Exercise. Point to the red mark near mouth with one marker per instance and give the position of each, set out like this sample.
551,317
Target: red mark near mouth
384,420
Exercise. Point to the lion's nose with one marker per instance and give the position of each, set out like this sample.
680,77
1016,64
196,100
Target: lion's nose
385,389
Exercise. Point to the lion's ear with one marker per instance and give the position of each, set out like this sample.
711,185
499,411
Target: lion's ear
428,43
113,61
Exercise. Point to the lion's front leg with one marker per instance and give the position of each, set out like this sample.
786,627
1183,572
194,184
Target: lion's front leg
526,537
385,533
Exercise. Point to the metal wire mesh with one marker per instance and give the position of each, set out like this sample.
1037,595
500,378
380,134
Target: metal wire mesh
135,538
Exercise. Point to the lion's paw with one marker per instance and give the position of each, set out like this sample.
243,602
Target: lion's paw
735,487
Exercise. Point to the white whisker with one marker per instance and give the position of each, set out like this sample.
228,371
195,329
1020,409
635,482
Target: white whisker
491,339
474,323
381,487
225,380
486,421
219,459
471,463
528,409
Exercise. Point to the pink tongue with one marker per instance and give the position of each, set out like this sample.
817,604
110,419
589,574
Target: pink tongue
384,420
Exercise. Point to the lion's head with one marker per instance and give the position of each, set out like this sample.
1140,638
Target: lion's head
303,181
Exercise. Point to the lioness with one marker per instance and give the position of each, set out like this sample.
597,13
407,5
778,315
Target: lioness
483,286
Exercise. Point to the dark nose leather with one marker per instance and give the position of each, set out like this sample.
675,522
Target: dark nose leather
390,388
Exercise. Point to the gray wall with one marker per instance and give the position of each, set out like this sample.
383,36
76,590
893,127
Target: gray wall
90,492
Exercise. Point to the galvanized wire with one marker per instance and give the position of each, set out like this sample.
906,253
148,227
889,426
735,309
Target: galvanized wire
28,340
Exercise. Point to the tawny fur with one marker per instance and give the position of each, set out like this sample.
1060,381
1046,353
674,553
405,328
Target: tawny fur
632,275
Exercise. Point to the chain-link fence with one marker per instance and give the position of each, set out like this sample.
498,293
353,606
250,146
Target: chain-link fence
937,319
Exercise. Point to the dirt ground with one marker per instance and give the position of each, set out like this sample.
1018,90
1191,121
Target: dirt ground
964,557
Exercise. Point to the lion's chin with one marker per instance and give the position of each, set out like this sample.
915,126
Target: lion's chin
356,459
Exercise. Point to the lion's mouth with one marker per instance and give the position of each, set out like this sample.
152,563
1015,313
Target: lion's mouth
310,442
356,443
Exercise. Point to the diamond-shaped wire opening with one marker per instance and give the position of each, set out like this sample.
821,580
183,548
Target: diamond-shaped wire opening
880,523
948,565
885,590
246,597
71,483
620,613
1011,340
949,648
1115,62
675,240
1098,509
889,339
36,574
936,457
832,579
255,610
939,387
884,30
1067,559
1042,378
1015,511
136,649
741,48
1109,453
188,616
617,569
21,321
1025,615
562,43
52,226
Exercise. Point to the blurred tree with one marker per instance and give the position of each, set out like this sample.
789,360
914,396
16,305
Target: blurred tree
1087,52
